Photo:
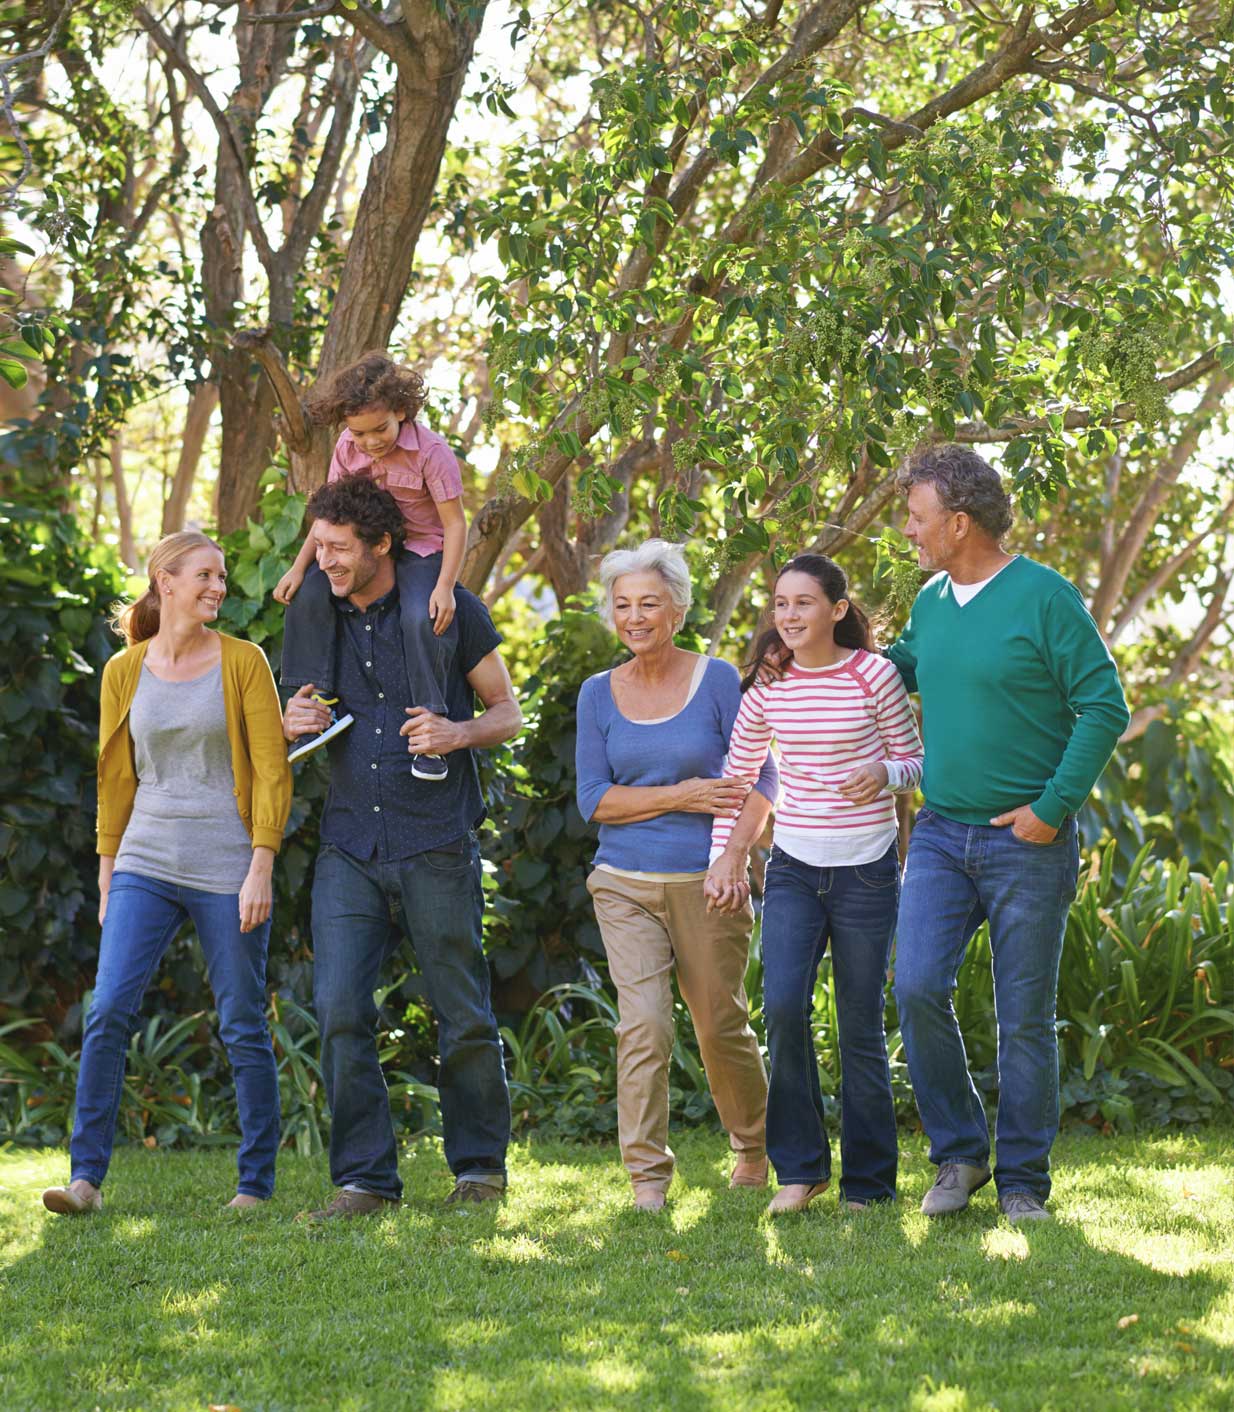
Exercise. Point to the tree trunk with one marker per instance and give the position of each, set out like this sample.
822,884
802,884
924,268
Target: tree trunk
124,510
202,402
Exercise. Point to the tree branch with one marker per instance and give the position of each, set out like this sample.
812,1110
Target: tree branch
1077,418
229,138
258,344
1153,585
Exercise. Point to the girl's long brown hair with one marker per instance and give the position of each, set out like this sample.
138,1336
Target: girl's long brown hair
139,620
771,655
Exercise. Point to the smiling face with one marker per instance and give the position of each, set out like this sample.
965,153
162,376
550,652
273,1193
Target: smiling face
375,429
356,570
805,617
644,615
932,528
197,587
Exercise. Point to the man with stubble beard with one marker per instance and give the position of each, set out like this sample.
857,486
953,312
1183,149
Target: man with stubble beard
397,846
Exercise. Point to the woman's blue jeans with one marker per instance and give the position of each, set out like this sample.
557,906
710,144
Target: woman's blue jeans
143,914
852,910
958,876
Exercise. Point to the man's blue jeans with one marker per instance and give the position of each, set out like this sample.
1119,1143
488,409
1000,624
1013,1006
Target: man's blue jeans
956,877
437,900
852,909
143,914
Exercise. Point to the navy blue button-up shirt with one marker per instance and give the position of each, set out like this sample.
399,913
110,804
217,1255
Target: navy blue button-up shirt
377,809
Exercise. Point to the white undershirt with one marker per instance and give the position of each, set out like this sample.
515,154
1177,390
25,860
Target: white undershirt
965,592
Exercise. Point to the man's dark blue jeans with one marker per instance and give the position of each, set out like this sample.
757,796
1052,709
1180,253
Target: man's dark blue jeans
958,876
437,901
143,914
852,909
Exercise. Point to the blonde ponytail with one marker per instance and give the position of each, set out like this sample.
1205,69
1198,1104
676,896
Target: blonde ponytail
139,620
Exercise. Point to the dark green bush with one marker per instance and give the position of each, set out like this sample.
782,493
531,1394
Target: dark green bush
54,641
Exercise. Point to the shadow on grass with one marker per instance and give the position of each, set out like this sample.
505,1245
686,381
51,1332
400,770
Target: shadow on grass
564,1297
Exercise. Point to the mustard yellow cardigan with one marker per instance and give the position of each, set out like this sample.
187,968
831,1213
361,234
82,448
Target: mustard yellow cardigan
254,728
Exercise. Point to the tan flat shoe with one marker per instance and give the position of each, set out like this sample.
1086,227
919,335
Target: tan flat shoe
78,1199
795,1197
749,1173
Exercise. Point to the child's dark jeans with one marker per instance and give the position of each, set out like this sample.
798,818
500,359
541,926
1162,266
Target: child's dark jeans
310,642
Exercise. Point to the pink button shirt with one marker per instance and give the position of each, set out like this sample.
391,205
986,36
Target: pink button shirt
418,470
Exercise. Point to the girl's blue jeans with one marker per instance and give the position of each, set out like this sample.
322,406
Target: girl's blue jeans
852,910
143,915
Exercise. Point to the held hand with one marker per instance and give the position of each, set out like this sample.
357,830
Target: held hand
428,734
727,885
864,785
722,796
256,896
103,904
304,717
287,587
1026,825
441,608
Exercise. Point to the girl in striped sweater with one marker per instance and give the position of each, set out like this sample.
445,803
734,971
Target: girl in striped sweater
848,740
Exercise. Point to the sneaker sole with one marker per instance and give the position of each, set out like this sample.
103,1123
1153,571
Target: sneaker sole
323,739
420,775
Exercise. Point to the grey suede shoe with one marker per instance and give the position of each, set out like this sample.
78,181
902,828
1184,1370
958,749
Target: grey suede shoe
955,1183
1023,1206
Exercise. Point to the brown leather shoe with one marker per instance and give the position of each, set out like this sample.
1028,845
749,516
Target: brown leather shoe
649,1197
748,1172
471,1193
347,1204
77,1199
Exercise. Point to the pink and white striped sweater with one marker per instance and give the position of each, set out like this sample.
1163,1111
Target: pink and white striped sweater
828,722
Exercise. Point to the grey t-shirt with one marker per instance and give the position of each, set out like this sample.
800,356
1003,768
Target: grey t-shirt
185,826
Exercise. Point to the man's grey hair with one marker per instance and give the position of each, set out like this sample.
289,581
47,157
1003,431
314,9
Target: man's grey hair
656,556
962,480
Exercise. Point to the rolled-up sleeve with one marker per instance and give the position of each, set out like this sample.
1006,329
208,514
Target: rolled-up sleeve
592,771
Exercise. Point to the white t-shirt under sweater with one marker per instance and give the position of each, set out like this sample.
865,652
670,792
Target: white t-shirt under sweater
828,722
965,592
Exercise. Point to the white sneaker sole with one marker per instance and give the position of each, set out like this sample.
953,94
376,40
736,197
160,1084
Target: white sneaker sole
420,775
319,740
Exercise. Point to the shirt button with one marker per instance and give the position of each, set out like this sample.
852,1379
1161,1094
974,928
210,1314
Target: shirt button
381,696
368,664
368,627
378,732
376,808
372,767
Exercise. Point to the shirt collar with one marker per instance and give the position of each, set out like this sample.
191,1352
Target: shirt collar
408,435
378,605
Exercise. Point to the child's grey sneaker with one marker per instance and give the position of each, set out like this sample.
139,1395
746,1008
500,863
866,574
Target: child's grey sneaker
1023,1206
955,1183
429,767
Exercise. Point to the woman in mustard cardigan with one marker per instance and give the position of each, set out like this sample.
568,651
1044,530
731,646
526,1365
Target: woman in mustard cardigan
194,793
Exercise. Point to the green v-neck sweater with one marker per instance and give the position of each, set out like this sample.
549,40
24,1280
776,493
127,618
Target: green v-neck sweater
1020,699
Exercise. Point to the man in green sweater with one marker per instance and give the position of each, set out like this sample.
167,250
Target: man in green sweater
1021,709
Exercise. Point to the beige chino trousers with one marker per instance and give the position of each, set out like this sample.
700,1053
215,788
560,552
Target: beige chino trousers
648,928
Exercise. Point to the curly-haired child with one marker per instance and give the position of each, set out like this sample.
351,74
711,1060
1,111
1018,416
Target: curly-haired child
378,400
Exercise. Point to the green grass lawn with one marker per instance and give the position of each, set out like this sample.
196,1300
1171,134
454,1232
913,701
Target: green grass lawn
563,1297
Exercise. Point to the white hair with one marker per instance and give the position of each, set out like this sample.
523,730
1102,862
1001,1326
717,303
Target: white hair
656,556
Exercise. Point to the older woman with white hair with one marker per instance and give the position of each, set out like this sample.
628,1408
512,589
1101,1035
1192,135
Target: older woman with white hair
652,737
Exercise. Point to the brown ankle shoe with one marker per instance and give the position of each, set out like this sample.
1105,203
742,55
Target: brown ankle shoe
65,1201
347,1204
795,1197
469,1192
749,1172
